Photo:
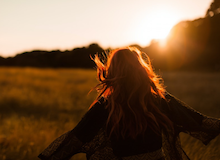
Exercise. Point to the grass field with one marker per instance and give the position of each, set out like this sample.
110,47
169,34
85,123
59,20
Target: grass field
38,105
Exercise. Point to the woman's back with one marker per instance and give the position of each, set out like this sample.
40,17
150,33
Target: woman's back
96,119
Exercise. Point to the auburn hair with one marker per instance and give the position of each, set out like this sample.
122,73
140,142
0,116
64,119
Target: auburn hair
133,92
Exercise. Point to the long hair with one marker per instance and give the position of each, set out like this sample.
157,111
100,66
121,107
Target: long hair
133,92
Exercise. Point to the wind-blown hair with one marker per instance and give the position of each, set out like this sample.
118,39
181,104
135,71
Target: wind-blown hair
133,92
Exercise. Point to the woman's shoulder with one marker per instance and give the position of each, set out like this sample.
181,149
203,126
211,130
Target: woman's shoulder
98,105
92,121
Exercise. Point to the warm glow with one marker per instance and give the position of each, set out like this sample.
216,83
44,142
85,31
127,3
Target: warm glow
51,25
156,26
162,43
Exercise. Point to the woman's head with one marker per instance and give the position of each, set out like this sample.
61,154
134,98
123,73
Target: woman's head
128,82
128,70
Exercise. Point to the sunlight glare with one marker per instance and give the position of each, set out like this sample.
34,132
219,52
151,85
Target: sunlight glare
156,25
162,42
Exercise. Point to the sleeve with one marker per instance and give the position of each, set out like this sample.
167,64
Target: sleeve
70,143
62,148
191,121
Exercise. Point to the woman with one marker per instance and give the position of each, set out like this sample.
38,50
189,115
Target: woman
133,116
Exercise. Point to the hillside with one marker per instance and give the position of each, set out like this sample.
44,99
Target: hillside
190,45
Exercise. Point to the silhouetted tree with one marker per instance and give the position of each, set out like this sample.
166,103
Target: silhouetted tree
2,60
213,9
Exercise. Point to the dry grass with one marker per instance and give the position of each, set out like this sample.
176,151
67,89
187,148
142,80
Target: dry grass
37,105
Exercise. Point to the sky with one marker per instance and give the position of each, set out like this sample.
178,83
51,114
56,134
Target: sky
26,25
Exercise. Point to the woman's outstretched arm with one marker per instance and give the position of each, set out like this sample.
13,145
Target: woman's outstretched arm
70,143
191,121
62,148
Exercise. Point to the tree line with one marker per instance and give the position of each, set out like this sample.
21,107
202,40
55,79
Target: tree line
76,58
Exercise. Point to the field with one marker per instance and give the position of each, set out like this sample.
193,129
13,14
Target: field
38,105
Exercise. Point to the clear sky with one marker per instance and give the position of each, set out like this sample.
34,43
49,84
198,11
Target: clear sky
65,24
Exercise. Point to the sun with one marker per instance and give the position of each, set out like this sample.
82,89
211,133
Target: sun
155,25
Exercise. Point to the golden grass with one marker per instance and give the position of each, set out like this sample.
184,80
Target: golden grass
38,105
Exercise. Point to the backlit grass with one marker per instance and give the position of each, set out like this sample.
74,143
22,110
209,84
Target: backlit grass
38,105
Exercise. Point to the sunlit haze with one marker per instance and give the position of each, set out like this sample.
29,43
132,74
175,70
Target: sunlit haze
51,24
155,26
